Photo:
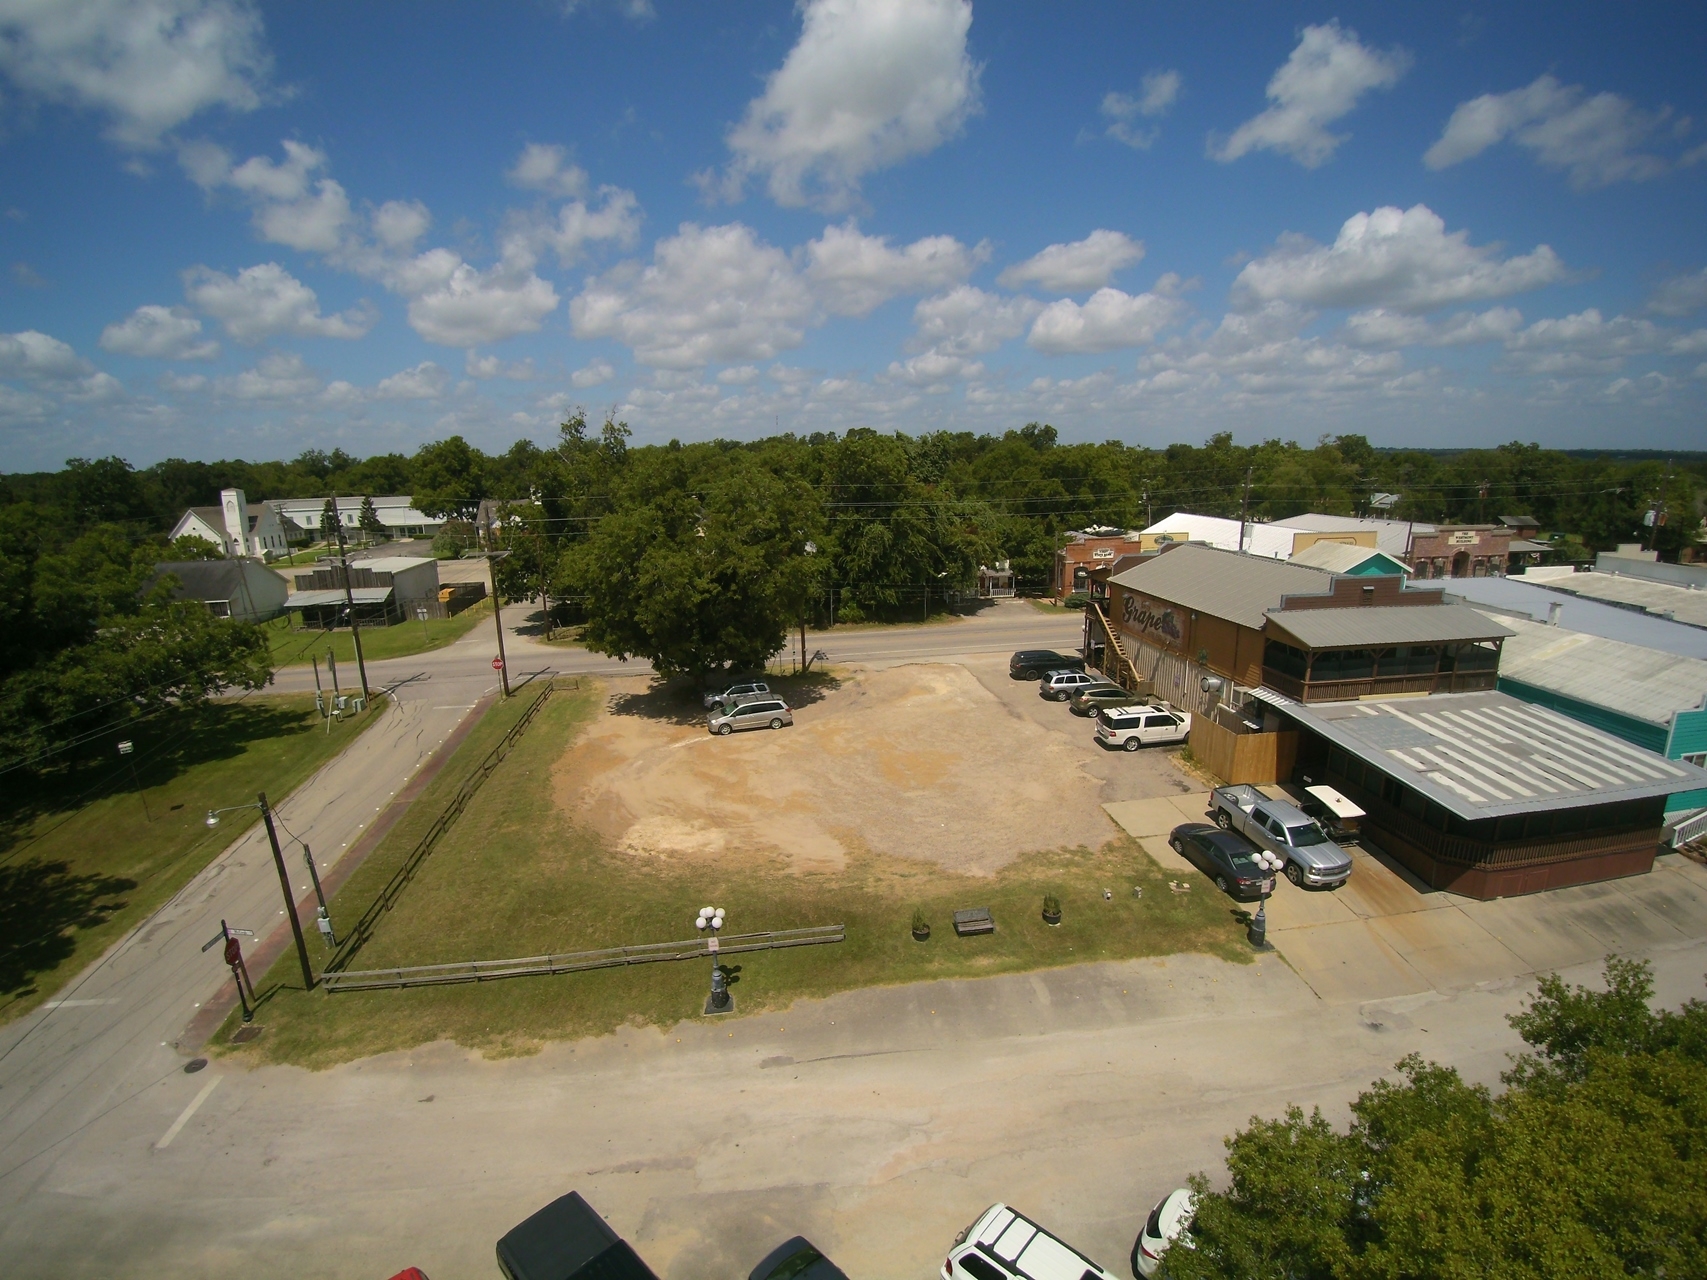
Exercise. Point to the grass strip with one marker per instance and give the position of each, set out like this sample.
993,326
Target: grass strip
517,877
293,647
75,877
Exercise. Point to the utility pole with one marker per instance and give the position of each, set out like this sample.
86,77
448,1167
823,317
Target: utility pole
350,601
1656,514
1482,503
492,558
290,898
1245,507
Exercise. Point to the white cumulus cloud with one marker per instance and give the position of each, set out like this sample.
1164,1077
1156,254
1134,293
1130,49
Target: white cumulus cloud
162,333
594,374
1319,84
543,167
291,206
869,83
714,295
280,376
40,357
1596,140
1400,259
1077,267
854,273
426,381
1383,328
1680,295
147,65
968,321
1123,111
710,294
458,305
1108,321
265,300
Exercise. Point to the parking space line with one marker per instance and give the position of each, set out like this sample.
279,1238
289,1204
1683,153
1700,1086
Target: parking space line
187,1112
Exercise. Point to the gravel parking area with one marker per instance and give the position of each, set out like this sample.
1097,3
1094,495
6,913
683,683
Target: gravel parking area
950,762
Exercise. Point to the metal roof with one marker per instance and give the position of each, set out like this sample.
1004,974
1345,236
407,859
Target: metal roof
1391,536
391,564
1226,584
1338,557
1647,684
319,599
1375,625
1578,613
1487,755
1658,598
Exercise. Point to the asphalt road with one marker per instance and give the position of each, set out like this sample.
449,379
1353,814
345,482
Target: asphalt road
92,1057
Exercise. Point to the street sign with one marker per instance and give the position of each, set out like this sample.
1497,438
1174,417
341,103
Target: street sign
497,664
233,951
125,747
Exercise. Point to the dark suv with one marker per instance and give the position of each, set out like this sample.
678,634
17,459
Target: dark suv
1033,664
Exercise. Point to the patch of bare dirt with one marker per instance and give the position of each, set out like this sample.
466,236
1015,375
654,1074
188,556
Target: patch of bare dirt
916,761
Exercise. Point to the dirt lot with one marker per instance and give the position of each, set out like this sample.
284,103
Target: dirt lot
949,762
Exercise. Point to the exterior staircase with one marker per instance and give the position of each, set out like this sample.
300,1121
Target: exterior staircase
1121,669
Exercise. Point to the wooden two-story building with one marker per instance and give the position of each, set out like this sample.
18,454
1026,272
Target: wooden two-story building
1194,611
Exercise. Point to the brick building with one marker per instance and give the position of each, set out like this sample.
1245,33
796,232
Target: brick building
1460,550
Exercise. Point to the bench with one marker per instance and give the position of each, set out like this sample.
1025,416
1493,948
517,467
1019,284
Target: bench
974,920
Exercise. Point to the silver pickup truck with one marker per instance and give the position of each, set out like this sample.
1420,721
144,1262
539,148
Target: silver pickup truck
1311,858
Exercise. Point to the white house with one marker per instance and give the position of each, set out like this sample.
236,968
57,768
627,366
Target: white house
233,588
237,526
396,512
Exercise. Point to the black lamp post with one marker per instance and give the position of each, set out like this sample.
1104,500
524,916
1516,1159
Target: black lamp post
1270,863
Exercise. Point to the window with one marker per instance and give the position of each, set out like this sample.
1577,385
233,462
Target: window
978,1268
1696,758
1285,659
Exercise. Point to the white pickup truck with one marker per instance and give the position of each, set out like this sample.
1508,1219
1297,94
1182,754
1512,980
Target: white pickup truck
1280,827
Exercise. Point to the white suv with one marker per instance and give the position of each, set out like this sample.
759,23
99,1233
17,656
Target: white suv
1058,686
1006,1245
1141,726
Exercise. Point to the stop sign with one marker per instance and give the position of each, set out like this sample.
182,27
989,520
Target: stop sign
497,664
233,951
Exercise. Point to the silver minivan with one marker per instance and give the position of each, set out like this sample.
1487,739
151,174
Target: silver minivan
758,713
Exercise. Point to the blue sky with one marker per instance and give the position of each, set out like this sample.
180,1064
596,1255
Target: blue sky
230,229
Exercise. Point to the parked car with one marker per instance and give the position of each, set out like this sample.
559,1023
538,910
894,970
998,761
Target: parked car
759,713
1033,664
1145,724
1093,698
1226,857
736,691
796,1259
1004,1244
1169,1223
1312,859
1058,686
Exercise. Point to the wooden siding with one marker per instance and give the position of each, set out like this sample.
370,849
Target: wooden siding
1243,757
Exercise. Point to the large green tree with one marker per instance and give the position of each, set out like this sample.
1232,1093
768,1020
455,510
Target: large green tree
702,566
1590,1163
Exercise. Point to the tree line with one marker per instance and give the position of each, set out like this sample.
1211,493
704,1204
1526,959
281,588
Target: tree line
703,555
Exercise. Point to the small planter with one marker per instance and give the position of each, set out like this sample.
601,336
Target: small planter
921,927
1051,910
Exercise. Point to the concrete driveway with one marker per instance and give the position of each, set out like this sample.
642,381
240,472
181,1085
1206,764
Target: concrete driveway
1383,935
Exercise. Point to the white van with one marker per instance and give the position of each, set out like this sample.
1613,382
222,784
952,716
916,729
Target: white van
1004,1244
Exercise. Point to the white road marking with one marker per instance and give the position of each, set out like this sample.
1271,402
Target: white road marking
184,1116
75,1004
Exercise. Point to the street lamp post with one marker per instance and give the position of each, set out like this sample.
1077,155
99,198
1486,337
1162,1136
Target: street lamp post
284,878
1270,863
710,919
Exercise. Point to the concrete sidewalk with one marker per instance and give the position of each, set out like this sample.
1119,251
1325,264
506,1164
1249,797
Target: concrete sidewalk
1384,935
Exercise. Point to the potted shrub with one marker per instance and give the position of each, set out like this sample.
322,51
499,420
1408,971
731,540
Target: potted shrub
1051,909
921,926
